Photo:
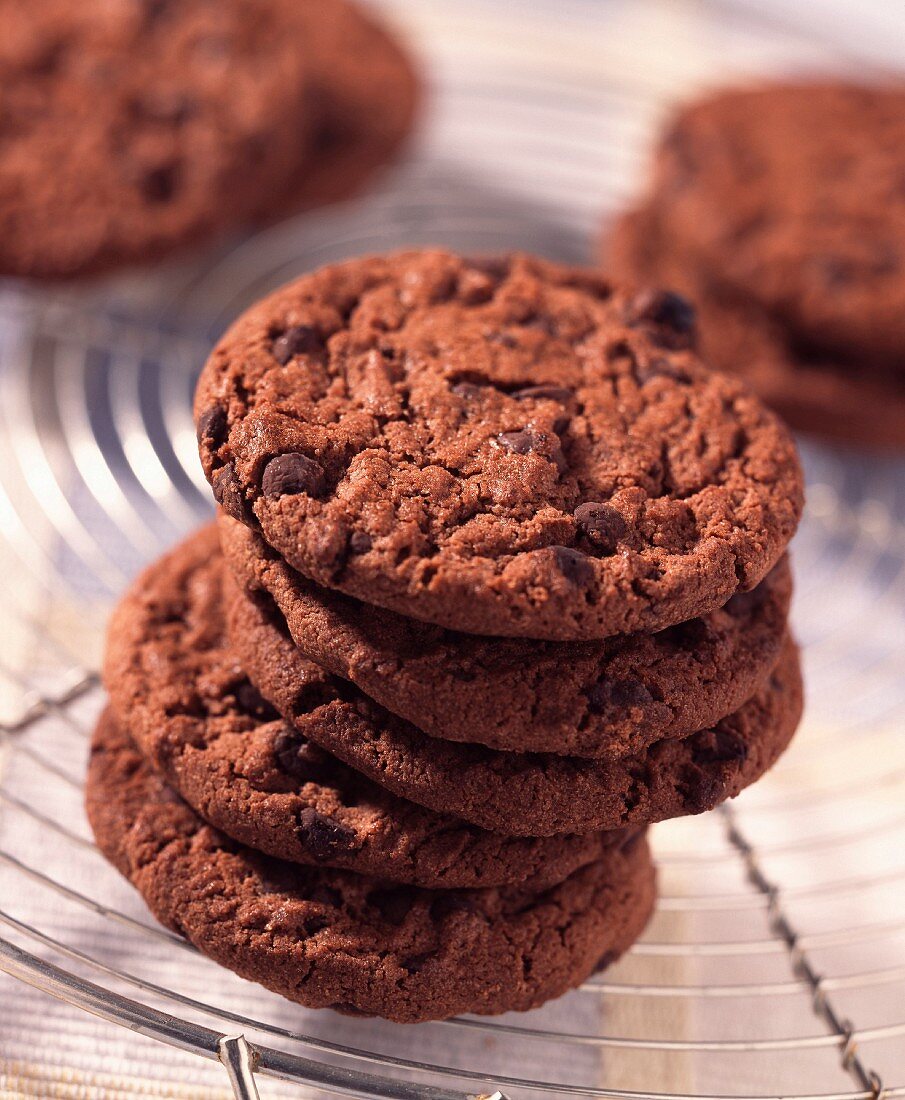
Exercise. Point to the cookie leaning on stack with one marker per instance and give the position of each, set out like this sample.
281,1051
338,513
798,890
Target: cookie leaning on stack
779,211
498,581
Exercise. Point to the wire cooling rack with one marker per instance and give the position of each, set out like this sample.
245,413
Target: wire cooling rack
775,964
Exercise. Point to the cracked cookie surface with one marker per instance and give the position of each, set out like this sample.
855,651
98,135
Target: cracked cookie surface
333,939
180,692
523,794
598,699
504,447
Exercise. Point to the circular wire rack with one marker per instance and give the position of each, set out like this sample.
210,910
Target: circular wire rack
775,963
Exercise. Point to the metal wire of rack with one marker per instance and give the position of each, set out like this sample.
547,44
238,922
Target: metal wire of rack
775,965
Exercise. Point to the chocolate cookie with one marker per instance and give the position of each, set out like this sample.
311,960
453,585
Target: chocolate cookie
334,939
793,194
182,695
131,127
599,699
364,96
522,794
831,397
508,448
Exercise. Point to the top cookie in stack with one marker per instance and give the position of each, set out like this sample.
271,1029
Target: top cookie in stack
130,128
779,210
510,449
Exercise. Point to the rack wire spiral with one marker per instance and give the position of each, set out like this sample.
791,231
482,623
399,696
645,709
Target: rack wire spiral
775,965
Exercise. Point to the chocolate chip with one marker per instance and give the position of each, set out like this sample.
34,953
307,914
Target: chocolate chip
228,493
574,566
288,474
213,426
719,747
619,695
360,542
299,757
323,836
158,185
520,443
527,442
253,702
393,904
298,340
671,314
601,524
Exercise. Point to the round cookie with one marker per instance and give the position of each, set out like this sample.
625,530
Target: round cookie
179,691
131,127
598,699
332,939
839,400
792,193
364,97
521,794
508,448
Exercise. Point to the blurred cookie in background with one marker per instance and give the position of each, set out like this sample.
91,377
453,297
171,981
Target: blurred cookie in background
131,128
364,95
780,212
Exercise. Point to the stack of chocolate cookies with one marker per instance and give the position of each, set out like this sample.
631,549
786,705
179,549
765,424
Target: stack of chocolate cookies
779,210
498,580
132,128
